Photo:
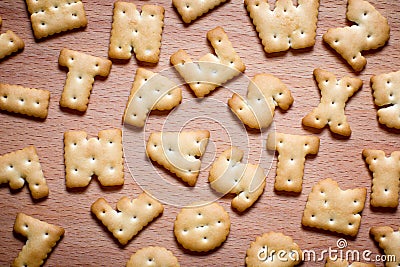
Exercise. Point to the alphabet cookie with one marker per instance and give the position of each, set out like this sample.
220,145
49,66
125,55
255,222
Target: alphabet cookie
330,208
370,31
264,93
334,95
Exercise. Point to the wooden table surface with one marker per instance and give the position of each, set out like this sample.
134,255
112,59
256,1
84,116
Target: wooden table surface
86,241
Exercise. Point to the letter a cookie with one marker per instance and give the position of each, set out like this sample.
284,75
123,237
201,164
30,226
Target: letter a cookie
334,95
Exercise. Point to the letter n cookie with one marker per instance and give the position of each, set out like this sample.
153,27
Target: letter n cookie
386,177
9,43
210,71
334,95
138,32
292,150
389,241
41,238
100,156
370,31
53,16
23,165
264,93
229,175
330,208
287,26
387,96
129,218
82,69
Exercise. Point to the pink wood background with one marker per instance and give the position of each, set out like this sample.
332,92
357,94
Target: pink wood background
86,242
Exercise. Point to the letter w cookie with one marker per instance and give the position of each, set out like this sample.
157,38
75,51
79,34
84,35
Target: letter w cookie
100,156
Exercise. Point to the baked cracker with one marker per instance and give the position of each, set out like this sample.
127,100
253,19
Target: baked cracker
179,152
150,91
263,251
210,71
130,217
330,208
389,241
229,175
82,69
386,89
23,165
192,9
27,101
264,93
53,16
370,31
9,43
386,177
100,156
41,238
154,257
334,95
292,150
138,32
202,228
287,26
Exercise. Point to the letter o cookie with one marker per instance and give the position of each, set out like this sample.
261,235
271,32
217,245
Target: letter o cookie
202,228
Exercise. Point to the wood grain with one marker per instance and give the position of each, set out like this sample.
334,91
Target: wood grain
86,241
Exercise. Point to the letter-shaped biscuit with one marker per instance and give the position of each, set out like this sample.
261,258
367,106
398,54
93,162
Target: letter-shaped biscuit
153,257
210,71
386,177
389,241
287,26
264,251
330,208
53,16
264,93
387,96
191,9
100,156
138,32
130,217
292,151
334,95
179,152
41,238
370,31
229,175
150,91
202,228
9,43
82,69
23,165
28,101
